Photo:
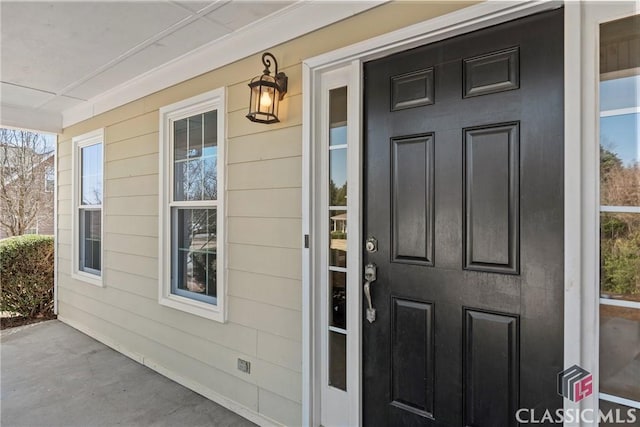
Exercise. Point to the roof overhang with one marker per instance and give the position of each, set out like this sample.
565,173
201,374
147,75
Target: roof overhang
285,24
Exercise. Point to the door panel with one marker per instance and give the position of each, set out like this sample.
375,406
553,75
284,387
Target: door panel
464,193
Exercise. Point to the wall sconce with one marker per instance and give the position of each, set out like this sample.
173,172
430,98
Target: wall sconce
266,93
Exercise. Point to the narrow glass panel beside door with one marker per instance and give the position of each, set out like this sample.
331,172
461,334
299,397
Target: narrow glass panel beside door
337,210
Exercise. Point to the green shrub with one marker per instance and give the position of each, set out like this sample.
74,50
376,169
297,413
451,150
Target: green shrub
339,235
26,275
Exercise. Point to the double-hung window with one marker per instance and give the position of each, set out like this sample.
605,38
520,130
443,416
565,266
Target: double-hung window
87,206
192,205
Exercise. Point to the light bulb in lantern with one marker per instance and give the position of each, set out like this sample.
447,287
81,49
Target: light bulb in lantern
265,100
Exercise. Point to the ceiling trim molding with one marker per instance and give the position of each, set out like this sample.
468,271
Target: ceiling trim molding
12,116
278,28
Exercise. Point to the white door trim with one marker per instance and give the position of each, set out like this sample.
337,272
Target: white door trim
581,340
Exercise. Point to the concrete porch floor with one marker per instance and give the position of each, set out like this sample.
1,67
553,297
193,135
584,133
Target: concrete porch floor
53,375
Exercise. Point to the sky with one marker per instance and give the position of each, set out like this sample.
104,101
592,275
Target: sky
620,133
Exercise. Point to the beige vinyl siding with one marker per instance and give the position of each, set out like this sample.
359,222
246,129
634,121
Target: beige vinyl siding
264,179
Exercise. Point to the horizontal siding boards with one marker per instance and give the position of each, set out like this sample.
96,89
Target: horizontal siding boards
64,192
264,179
140,225
143,286
133,147
275,173
137,166
64,223
264,317
280,143
265,260
233,336
132,245
154,353
132,205
279,408
267,375
275,232
136,126
64,162
271,203
278,291
280,351
145,266
140,185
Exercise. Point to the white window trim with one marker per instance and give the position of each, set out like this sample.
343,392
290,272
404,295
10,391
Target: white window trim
53,185
79,142
213,100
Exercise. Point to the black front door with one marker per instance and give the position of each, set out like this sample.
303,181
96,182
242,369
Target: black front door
464,194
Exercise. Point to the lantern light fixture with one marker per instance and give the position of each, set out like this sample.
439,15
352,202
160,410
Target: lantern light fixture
266,92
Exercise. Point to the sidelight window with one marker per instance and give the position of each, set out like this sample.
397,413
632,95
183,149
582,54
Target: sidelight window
620,213
337,212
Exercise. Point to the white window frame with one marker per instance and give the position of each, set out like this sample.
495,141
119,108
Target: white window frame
53,181
213,100
80,142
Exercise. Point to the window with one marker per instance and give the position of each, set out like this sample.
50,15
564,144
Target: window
87,207
192,204
49,179
337,212
620,213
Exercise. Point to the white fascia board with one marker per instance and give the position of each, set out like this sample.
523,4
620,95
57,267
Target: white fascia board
12,116
292,22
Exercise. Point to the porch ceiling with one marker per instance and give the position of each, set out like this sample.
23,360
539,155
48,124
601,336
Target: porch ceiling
59,58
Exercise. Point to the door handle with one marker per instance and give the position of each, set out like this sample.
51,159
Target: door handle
370,271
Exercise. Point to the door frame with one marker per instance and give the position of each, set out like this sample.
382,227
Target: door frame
581,257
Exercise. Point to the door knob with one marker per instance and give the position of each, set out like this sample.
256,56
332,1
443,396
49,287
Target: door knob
370,275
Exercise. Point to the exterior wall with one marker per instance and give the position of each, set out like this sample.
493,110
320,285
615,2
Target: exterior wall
264,181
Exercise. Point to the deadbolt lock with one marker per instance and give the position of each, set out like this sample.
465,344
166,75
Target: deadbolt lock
371,245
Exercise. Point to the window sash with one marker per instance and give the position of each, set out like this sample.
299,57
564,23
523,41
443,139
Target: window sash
190,204
83,268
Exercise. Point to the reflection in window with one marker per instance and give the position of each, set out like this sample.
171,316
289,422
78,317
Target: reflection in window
620,210
337,209
194,222
620,255
88,199
195,247
195,157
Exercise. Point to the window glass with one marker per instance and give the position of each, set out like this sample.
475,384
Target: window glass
620,210
91,174
619,93
619,352
195,158
620,256
338,177
90,240
49,179
194,208
337,209
195,251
